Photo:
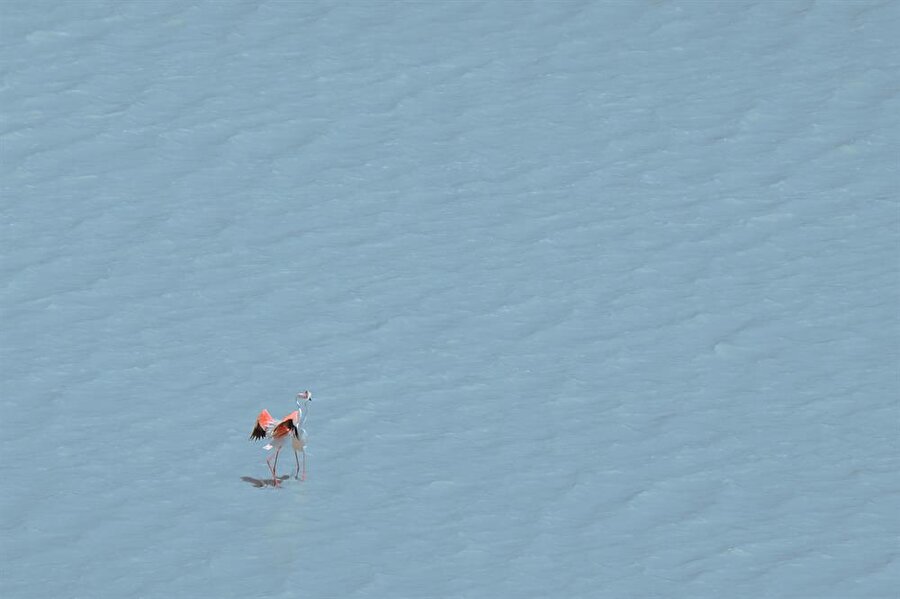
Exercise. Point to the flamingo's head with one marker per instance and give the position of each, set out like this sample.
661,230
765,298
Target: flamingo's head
304,395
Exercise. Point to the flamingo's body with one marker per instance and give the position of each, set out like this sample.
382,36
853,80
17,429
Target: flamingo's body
279,431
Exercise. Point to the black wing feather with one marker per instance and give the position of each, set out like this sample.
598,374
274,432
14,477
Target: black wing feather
291,427
258,433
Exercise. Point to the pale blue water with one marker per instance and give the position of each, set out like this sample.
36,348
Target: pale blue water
597,299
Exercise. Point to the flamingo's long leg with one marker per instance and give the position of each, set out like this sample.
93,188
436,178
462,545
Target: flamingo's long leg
269,464
297,472
273,465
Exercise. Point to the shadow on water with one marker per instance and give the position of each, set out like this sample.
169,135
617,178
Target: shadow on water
264,482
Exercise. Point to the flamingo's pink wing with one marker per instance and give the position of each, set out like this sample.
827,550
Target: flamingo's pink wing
263,421
287,425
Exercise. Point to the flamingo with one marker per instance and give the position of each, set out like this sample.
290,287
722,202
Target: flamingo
278,431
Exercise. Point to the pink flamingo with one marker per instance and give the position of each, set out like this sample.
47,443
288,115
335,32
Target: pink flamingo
279,431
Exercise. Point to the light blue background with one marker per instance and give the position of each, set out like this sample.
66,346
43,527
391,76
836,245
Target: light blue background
598,299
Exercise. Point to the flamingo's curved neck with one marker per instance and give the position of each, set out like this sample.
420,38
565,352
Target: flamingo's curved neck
303,406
